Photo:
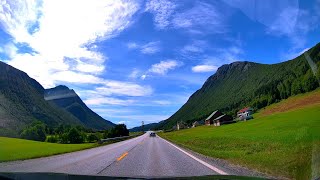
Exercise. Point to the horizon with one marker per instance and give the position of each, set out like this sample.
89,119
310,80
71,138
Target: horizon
133,61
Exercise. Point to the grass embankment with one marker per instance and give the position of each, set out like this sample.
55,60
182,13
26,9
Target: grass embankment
281,143
19,149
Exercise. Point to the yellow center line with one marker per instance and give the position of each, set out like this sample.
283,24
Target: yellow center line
122,156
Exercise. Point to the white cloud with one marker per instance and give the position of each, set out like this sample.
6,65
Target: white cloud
132,45
150,48
197,46
164,66
162,11
204,68
90,68
59,30
222,56
143,76
134,74
107,100
123,88
202,16
75,77
10,50
162,102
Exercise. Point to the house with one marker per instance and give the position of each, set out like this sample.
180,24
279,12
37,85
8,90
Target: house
212,116
223,119
245,113
195,124
181,125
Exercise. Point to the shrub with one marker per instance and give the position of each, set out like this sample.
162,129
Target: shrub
52,139
74,136
36,131
92,138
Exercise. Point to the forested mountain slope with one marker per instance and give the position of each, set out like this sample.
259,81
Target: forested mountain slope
22,102
241,84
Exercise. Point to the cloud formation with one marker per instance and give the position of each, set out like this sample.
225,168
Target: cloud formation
61,33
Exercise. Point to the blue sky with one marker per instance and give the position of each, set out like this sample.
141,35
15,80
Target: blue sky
133,61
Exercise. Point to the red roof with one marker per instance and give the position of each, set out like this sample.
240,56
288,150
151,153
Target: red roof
244,110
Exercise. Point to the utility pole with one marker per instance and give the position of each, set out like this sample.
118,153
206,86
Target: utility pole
142,126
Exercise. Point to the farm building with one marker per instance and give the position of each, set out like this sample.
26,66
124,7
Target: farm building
212,116
195,124
245,113
223,119
181,125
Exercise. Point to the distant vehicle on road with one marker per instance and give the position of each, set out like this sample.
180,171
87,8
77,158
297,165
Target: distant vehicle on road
152,134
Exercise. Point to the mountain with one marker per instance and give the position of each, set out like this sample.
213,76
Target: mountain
67,99
242,84
22,102
146,127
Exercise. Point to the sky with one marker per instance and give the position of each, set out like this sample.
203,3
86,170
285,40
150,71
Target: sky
140,60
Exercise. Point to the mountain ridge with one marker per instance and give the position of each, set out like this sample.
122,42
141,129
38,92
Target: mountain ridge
22,102
241,84
68,99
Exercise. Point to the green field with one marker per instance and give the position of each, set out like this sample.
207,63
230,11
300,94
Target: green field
18,149
281,144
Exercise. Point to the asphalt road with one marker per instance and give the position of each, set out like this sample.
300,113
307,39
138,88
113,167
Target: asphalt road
142,156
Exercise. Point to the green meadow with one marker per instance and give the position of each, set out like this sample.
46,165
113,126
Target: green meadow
281,144
19,149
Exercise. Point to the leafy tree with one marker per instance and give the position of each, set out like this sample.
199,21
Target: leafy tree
36,131
74,136
92,138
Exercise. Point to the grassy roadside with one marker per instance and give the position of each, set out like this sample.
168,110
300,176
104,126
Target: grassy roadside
19,149
281,144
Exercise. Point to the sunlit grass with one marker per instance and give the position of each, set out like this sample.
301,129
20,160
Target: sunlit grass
279,144
18,149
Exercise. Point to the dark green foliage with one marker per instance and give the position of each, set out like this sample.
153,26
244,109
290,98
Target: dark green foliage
67,99
117,131
242,84
92,138
52,139
75,136
36,131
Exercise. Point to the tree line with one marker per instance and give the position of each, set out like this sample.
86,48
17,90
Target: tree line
67,134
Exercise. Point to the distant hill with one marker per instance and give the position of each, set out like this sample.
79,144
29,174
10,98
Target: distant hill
241,84
22,102
66,98
146,127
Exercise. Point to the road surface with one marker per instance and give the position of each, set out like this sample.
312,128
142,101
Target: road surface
142,156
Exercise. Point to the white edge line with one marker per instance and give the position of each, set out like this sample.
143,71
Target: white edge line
197,159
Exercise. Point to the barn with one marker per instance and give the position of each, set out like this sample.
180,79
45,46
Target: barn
223,119
212,116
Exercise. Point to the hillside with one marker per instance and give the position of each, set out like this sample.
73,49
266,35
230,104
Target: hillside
241,84
146,127
66,98
285,143
22,102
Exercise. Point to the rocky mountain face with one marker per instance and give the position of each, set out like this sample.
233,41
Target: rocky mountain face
67,99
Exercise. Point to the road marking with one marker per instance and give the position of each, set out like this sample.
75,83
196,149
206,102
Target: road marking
199,160
122,156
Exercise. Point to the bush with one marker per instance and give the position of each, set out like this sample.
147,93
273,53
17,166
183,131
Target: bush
63,138
52,139
36,131
92,138
75,137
